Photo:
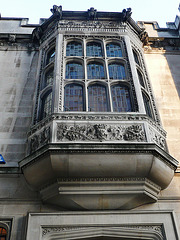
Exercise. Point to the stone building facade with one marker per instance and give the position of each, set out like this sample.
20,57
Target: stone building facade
89,127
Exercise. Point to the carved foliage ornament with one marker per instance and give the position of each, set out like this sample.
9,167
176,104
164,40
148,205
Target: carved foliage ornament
100,132
39,140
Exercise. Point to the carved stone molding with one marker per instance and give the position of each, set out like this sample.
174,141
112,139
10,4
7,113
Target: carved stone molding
157,138
101,132
40,139
156,231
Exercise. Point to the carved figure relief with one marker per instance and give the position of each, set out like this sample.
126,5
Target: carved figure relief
100,132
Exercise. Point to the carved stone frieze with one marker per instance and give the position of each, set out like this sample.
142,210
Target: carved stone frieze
40,139
157,138
100,132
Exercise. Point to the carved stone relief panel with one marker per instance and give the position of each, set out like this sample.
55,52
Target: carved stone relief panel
100,132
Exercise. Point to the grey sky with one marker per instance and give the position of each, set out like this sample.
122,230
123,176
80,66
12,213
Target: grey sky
154,10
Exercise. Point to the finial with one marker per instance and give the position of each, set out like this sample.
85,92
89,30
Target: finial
57,10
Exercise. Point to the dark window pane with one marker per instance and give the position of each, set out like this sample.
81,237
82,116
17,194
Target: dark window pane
97,98
74,49
121,98
147,105
74,71
50,56
73,98
49,77
136,57
140,78
94,49
3,234
116,71
113,50
46,108
95,71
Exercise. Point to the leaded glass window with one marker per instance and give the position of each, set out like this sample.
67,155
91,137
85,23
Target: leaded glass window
95,71
121,98
3,233
46,107
73,97
50,56
97,98
49,77
113,50
140,78
136,58
147,105
116,71
74,49
94,49
74,71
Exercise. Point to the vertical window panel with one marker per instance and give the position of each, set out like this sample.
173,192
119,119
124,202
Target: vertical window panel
50,56
74,71
94,49
74,49
95,71
147,105
141,81
73,97
116,71
49,76
97,98
113,50
3,233
121,98
136,57
46,106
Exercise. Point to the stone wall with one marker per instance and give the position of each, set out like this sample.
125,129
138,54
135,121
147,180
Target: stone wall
17,80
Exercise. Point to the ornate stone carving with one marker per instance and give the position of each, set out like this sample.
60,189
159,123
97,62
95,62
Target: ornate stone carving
57,10
157,138
126,14
100,132
92,14
38,140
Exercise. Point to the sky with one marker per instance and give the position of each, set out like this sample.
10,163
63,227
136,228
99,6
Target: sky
161,11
